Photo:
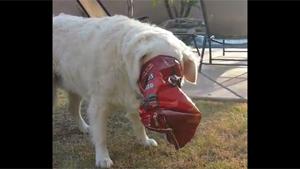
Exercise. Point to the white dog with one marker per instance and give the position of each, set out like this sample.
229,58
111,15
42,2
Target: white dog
99,59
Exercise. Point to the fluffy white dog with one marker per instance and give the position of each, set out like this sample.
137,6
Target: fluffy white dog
99,59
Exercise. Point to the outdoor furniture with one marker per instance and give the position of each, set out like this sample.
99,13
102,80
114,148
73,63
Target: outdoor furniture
93,8
226,19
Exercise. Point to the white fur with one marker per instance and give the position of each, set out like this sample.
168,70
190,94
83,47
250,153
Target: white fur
99,59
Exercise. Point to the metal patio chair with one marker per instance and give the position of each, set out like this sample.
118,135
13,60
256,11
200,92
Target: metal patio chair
224,19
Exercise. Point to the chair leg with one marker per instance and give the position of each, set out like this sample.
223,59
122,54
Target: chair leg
209,46
199,54
195,43
202,53
223,47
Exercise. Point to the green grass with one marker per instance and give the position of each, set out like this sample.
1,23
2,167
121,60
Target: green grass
220,141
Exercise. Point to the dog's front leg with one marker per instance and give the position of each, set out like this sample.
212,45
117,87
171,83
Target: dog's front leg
98,113
139,130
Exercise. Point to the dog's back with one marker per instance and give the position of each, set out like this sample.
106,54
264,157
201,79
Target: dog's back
85,55
101,55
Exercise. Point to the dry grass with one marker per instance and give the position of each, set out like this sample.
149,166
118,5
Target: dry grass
220,142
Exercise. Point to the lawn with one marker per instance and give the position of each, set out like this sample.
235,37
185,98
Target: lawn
220,141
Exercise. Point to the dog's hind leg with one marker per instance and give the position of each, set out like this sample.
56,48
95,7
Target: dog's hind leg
75,110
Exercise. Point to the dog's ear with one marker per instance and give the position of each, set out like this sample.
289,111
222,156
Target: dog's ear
190,66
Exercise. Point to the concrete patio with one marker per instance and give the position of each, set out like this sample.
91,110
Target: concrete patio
217,82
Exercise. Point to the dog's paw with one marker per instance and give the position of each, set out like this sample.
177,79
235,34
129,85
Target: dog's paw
104,163
149,143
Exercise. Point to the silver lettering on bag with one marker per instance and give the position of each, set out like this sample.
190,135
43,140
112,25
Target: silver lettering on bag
150,77
149,86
